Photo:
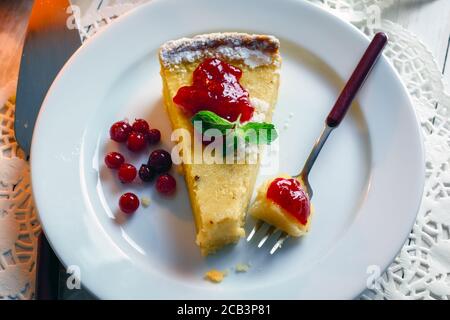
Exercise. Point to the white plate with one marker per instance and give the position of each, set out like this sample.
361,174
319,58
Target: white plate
368,180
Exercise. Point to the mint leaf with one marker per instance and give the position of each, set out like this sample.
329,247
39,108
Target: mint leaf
210,120
265,132
252,132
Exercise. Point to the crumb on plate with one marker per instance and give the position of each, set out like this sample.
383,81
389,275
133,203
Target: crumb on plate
215,276
242,267
145,201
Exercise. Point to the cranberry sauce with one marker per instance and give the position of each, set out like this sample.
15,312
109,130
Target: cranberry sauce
216,88
290,195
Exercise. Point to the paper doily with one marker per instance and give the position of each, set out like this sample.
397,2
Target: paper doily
19,226
422,268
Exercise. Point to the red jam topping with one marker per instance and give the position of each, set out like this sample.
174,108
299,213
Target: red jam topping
290,195
216,88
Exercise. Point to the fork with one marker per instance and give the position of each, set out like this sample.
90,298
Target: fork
332,121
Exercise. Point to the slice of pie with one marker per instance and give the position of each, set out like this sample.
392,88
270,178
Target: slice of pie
247,67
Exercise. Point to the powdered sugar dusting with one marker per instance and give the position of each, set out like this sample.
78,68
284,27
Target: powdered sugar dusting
253,50
261,108
259,104
258,117
252,58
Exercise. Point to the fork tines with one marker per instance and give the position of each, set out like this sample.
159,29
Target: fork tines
271,230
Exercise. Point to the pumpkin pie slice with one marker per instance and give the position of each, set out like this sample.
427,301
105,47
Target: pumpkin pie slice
236,76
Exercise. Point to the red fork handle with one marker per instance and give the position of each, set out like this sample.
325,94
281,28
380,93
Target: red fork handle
357,79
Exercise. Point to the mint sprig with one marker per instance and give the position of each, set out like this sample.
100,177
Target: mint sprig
210,120
253,132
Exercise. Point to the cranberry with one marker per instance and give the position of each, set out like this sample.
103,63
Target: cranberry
113,160
153,136
136,141
146,173
127,173
120,131
215,87
290,195
166,184
160,161
140,125
129,202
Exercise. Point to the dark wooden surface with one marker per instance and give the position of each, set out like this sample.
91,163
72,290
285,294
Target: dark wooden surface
13,23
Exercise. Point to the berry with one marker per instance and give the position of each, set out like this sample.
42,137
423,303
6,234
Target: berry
127,173
113,160
140,125
160,161
129,203
146,173
153,136
136,141
120,131
166,184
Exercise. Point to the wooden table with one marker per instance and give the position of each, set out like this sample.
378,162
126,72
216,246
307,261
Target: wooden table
13,24
430,21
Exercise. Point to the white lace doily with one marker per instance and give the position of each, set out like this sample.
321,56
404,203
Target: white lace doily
422,268
18,222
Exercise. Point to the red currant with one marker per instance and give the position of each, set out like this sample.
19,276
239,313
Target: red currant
129,203
154,136
166,184
160,160
140,125
136,141
113,160
127,173
120,131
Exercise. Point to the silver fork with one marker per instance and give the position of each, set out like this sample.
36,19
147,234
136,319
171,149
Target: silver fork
333,120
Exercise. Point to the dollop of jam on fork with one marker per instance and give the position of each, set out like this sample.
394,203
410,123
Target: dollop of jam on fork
290,195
